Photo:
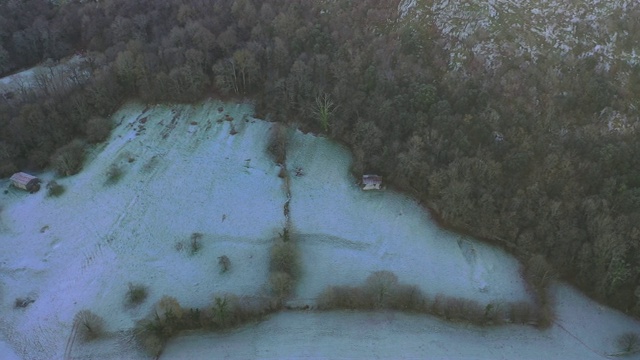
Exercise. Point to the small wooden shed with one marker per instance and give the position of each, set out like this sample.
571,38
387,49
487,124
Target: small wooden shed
25,181
372,182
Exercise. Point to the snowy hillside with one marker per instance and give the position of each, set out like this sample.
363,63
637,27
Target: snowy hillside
392,335
206,170
80,250
496,31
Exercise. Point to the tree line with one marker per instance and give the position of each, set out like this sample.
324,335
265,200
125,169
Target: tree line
541,156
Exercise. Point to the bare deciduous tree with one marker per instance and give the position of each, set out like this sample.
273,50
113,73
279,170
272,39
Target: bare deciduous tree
89,325
224,263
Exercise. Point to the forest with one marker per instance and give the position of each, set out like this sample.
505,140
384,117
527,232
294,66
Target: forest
532,156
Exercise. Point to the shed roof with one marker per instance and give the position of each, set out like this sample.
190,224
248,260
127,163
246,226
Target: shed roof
22,178
371,179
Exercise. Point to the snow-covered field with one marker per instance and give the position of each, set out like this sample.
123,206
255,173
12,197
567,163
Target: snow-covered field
496,31
82,249
347,233
7,352
393,335
184,173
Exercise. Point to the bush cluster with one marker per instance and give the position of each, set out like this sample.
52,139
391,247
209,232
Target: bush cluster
89,325
278,143
382,290
539,274
136,294
224,263
68,160
284,266
168,318
54,189
284,258
628,342
114,174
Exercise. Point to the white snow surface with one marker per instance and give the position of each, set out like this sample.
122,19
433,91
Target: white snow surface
347,233
184,173
6,352
80,250
584,332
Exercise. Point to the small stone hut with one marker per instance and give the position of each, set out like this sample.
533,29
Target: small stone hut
372,182
25,181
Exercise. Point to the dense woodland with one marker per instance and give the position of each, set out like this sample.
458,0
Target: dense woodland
523,155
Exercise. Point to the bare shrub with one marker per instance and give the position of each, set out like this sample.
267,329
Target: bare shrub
89,325
206,318
281,284
195,243
98,129
278,143
545,315
150,164
380,285
438,305
136,294
113,174
284,258
453,308
628,342
521,313
150,334
169,310
68,159
161,324
224,263
54,189
494,314
345,297
224,311
23,302
472,312
539,273
192,319
407,298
